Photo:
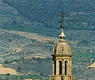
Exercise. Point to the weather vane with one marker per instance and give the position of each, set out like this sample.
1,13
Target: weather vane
61,16
62,35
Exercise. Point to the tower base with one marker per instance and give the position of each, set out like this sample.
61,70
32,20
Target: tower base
61,77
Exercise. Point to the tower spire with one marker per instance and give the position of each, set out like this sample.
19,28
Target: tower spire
61,58
62,35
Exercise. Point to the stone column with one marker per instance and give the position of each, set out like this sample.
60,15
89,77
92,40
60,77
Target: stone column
57,67
49,77
52,67
70,63
68,67
63,65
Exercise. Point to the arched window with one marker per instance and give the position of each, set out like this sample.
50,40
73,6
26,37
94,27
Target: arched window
54,67
66,67
60,67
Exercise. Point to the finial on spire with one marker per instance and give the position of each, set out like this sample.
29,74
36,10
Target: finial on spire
62,35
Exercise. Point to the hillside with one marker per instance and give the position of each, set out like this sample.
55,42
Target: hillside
41,17
24,53
4,70
29,30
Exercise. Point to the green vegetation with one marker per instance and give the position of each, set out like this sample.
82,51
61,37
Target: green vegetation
23,77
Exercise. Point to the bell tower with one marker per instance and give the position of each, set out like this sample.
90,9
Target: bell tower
61,60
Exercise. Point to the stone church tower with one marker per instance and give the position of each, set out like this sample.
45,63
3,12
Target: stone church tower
61,62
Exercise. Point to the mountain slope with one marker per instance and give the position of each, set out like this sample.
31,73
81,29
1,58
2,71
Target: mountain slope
40,17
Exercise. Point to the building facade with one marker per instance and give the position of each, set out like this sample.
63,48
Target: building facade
61,60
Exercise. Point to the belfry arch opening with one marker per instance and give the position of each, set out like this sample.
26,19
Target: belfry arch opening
60,67
54,67
66,67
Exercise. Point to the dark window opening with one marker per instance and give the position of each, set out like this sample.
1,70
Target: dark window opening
66,67
60,67
54,67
